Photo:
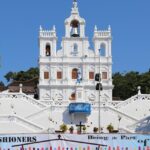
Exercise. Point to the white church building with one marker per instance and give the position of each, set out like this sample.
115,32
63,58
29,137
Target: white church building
67,93
60,68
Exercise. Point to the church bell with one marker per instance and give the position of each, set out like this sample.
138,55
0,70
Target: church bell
75,32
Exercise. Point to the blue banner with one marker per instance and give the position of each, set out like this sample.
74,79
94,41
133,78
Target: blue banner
80,108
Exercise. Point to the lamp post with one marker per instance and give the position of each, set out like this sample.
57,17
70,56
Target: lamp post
99,104
99,88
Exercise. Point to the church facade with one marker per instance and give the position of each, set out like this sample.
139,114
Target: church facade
67,88
67,74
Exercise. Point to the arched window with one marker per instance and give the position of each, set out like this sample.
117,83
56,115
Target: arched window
103,49
75,28
75,47
74,73
48,50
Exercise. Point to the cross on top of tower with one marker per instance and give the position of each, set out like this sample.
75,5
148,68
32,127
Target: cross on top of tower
75,0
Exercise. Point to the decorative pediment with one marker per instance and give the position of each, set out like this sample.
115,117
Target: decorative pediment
46,96
105,97
59,97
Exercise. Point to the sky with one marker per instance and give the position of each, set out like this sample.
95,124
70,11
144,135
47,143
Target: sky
20,21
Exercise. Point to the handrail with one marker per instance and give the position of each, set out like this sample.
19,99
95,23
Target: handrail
133,98
24,96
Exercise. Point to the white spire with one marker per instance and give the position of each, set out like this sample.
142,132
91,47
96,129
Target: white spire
75,7
139,90
41,28
95,28
109,28
54,28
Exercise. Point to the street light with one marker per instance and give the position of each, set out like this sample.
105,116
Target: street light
99,92
99,88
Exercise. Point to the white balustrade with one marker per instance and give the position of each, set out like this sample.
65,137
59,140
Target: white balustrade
47,33
102,34
132,99
21,96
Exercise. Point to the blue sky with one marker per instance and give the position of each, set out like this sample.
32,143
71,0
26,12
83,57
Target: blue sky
20,21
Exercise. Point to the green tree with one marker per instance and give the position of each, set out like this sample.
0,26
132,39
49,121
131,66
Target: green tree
119,85
133,81
125,85
22,75
145,83
2,84
9,76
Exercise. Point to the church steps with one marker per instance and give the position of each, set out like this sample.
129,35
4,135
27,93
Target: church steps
121,113
21,121
125,130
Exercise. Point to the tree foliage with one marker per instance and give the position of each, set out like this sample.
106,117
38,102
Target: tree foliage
2,84
110,128
63,127
22,75
125,85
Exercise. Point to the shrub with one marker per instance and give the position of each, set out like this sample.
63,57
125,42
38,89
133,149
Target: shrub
110,128
63,127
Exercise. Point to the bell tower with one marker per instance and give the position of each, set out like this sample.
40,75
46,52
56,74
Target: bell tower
75,25
75,43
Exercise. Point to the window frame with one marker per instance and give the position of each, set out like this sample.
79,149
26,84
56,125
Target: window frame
103,75
91,72
59,76
74,73
46,75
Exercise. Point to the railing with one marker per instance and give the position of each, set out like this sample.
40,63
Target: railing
102,34
103,103
21,96
113,103
132,99
55,103
47,33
